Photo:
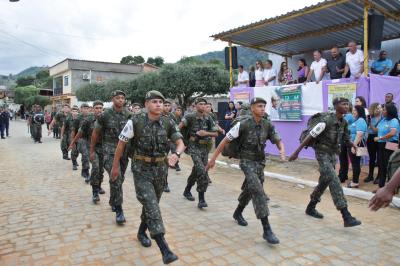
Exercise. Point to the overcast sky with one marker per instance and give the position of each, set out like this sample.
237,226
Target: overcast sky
44,32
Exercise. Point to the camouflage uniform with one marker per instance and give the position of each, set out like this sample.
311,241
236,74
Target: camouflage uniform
198,148
150,142
111,124
252,137
86,129
68,125
327,146
83,145
60,118
37,121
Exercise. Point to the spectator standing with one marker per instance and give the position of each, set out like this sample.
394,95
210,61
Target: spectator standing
3,118
259,74
318,67
302,71
383,65
269,74
395,72
375,110
389,98
358,133
243,77
388,132
47,118
230,115
252,77
285,75
336,64
354,61
360,101
7,121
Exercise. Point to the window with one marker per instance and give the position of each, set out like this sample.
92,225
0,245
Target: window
66,80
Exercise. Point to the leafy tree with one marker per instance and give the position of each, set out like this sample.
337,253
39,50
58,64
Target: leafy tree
43,74
127,60
157,61
22,93
138,59
190,60
150,60
25,81
37,99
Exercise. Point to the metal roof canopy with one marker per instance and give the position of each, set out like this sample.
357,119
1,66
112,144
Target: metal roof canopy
320,26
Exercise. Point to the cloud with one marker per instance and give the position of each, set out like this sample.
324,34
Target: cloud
45,32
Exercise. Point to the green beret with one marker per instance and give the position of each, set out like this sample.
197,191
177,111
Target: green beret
85,105
257,100
118,92
339,100
75,108
199,100
154,95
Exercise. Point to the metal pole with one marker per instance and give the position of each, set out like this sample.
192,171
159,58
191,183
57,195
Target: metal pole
230,65
366,8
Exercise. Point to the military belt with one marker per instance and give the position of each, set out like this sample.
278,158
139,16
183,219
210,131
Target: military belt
201,141
149,159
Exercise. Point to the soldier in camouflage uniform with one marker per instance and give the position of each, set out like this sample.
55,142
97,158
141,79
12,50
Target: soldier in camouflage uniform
177,117
252,133
325,137
107,127
167,113
201,128
37,120
58,121
85,132
150,133
66,130
82,143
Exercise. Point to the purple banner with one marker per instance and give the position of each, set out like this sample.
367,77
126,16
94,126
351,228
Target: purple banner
380,85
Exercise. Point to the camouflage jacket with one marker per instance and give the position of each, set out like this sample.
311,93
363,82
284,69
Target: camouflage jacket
193,123
111,123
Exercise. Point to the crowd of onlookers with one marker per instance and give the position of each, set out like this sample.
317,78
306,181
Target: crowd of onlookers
336,66
376,128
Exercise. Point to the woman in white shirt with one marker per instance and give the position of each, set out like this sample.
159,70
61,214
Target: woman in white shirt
259,74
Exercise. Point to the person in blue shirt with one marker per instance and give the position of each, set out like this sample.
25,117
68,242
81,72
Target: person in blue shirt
230,115
344,154
383,65
358,132
388,131
375,109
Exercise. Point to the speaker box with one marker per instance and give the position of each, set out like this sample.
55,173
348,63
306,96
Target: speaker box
234,58
375,31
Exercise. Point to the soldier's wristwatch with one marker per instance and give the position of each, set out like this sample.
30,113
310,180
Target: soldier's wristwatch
177,154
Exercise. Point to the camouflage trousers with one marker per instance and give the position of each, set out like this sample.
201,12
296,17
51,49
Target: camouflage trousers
328,177
199,154
74,151
97,172
149,182
252,188
37,131
116,192
83,148
64,144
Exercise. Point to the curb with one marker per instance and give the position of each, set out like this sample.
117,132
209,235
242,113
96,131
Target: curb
358,193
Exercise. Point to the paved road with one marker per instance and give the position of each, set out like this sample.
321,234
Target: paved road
47,217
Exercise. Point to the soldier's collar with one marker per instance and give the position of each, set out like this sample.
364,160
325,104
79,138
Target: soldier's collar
153,121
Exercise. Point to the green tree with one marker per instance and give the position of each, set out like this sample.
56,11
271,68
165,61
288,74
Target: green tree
43,74
37,99
150,60
157,61
138,59
127,60
25,81
22,93
185,60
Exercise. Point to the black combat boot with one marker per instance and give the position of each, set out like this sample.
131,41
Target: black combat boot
167,255
202,202
87,176
95,197
187,194
119,215
101,190
166,188
74,165
142,236
349,221
237,215
65,156
312,211
268,234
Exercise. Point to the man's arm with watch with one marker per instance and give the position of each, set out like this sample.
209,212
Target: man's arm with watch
174,157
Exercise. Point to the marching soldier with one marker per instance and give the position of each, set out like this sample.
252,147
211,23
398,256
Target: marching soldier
201,129
177,117
325,137
150,132
107,128
37,120
167,113
58,122
66,135
252,133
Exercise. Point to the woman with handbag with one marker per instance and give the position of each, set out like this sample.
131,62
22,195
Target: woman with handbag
358,132
375,110
388,138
